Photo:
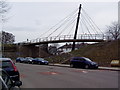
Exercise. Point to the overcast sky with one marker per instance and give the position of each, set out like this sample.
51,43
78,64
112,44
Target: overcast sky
28,20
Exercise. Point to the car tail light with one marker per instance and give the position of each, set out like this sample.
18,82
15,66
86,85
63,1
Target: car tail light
14,67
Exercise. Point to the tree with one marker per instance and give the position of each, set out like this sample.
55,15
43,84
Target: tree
113,31
7,38
4,8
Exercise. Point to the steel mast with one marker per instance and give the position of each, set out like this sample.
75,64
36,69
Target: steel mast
75,35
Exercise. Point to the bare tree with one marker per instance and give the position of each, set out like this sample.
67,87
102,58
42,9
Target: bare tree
4,8
113,31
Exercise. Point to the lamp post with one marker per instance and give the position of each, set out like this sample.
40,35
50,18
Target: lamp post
0,43
119,13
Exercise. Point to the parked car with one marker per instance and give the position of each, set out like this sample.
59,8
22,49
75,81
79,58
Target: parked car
6,83
20,59
83,63
40,61
115,63
8,65
28,60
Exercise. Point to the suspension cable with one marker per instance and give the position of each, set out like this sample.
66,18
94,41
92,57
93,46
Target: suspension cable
92,21
68,19
59,22
83,21
71,22
91,26
71,29
68,24
81,27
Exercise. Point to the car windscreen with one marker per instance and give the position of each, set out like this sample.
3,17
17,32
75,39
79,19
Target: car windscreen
87,59
6,64
40,59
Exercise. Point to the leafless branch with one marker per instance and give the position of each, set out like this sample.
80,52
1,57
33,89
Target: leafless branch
114,31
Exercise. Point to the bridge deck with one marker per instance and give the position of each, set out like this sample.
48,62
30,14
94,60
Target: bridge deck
67,38
61,41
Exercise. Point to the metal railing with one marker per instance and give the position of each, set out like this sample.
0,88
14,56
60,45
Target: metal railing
69,37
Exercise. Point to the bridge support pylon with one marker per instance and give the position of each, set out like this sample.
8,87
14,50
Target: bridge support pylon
33,50
75,35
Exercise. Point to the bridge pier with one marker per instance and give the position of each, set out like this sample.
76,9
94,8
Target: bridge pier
27,51
43,50
33,50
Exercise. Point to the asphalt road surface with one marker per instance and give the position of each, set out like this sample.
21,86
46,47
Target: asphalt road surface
44,76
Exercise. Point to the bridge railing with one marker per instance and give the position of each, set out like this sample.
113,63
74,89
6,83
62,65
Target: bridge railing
91,36
69,37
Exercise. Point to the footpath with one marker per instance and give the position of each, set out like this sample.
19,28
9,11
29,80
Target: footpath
100,67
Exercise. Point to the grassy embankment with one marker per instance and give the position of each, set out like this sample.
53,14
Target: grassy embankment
101,53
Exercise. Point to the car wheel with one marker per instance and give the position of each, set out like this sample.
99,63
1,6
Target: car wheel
71,65
39,63
86,66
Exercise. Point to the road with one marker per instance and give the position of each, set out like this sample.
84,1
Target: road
43,76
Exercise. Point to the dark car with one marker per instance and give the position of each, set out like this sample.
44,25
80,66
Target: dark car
6,83
8,65
20,59
28,60
40,61
83,62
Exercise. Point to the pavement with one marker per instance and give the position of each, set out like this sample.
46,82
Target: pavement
100,67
